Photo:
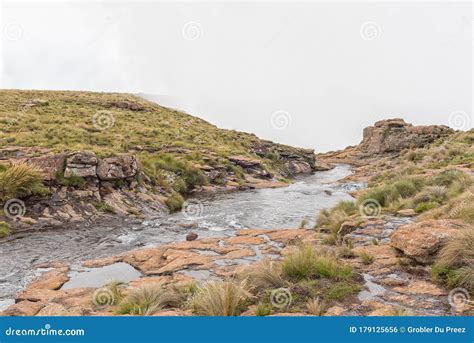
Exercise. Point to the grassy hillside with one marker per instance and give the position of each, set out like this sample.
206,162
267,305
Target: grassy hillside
170,145
65,121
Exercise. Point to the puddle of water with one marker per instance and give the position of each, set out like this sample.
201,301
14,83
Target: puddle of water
373,289
97,277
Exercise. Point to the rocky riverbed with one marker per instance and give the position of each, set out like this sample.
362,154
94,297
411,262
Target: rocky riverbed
221,215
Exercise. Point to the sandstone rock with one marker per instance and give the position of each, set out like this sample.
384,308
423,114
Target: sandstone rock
394,135
422,240
245,162
420,287
407,212
119,167
127,105
52,280
298,167
82,164
50,164
322,166
28,220
191,236
23,308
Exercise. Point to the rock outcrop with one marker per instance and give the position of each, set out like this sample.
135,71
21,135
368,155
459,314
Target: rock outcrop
421,241
394,135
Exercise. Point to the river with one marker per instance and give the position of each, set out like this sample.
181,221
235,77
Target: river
217,215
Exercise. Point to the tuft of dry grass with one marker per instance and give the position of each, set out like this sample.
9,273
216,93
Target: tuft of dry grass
263,275
4,229
307,262
149,299
20,179
459,250
220,298
316,307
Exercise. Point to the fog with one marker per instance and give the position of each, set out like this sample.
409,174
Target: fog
306,74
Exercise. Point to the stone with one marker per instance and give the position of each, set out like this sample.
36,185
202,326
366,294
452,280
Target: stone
191,236
244,161
119,167
322,166
23,308
28,220
422,240
81,164
52,280
409,212
50,164
395,135
420,287
298,167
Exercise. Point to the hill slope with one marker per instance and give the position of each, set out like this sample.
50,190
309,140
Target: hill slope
122,150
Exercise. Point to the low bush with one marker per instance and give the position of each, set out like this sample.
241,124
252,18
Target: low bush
174,202
220,299
4,229
19,180
149,299
306,262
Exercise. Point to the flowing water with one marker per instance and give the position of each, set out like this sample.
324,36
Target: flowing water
218,215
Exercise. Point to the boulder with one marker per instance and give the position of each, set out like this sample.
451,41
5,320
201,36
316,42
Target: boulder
245,162
82,164
298,167
119,167
421,241
50,164
394,135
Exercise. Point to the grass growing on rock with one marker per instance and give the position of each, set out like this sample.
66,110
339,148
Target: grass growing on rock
4,229
149,299
314,278
20,180
220,298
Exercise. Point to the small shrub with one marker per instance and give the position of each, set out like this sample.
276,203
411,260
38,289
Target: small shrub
303,223
150,299
436,194
366,258
316,307
426,206
459,250
263,309
263,275
4,229
339,290
220,299
447,177
306,262
345,251
20,179
174,202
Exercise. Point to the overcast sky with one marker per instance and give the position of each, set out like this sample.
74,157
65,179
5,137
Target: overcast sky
307,74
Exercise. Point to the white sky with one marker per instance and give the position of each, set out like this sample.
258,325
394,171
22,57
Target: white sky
235,64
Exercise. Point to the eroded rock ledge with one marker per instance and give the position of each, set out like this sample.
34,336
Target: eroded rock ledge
85,186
